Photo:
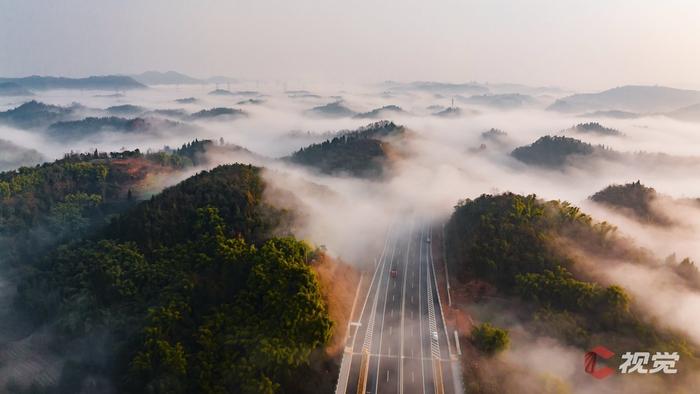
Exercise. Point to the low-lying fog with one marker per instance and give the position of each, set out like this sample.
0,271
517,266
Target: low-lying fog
443,161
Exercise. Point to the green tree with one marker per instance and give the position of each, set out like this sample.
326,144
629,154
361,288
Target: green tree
489,338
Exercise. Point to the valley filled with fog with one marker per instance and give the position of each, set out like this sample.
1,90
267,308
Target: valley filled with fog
350,160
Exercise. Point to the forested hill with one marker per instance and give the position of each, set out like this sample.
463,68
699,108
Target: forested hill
63,200
235,191
189,291
634,199
518,246
595,128
101,82
555,151
363,153
48,203
34,114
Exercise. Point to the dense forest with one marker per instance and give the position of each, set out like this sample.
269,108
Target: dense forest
80,128
634,199
361,153
331,110
34,114
126,109
515,243
553,151
595,128
216,112
76,121
189,291
381,112
53,203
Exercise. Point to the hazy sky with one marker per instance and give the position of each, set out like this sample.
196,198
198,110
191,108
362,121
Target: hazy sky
587,44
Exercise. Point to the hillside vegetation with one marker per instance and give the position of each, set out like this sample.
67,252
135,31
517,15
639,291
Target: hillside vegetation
55,202
633,199
595,128
189,291
514,242
552,151
362,153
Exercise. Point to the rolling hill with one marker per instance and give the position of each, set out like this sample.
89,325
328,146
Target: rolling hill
363,153
688,114
106,82
9,89
594,128
644,99
633,199
335,109
82,128
154,288
499,101
553,152
165,78
34,114
382,113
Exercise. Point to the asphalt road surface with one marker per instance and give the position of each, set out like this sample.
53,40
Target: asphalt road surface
400,343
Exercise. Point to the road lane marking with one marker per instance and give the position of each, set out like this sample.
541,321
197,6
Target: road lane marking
403,307
420,307
370,322
437,292
381,331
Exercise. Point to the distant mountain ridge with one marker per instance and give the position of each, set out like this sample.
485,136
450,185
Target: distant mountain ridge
175,78
335,109
34,114
165,78
499,101
13,89
382,112
439,87
690,113
644,99
81,128
102,82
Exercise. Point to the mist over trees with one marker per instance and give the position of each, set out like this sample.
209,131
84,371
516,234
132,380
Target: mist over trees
185,314
361,153
512,242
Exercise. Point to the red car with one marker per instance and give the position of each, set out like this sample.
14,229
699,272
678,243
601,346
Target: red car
393,273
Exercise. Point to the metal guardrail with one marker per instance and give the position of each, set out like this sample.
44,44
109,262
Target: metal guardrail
342,384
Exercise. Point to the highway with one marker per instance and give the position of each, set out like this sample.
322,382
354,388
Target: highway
399,343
